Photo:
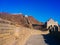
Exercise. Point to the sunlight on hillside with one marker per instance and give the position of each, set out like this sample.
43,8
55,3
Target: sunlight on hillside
18,36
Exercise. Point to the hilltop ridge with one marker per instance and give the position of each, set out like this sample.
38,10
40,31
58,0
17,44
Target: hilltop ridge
20,19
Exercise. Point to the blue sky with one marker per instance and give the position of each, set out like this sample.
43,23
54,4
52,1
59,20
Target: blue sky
41,10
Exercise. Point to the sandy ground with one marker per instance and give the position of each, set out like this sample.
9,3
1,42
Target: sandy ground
19,36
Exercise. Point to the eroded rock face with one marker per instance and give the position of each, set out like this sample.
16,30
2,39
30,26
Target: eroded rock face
20,19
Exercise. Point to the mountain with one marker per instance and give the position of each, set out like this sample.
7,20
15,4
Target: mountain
21,19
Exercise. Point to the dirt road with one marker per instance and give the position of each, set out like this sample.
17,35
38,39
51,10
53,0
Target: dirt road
36,40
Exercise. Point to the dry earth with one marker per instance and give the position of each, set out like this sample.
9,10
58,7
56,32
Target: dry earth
19,36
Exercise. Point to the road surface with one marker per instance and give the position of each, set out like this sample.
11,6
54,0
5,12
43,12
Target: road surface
36,40
32,40
42,40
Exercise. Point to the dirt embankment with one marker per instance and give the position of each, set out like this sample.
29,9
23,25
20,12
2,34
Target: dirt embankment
19,36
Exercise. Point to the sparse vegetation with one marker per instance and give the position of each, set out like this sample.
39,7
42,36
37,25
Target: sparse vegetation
24,34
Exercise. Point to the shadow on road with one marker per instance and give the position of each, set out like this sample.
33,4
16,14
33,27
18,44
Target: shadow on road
50,39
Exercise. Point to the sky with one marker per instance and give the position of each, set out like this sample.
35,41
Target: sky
41,10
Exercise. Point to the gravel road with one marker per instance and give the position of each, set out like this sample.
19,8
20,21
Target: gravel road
36,40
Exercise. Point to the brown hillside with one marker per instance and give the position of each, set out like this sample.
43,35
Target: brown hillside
19,19
34,21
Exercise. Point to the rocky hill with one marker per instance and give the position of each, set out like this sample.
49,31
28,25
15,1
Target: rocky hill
21,19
